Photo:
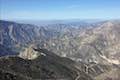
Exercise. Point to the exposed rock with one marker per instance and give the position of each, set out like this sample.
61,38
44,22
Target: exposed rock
46,67
29,53
95,45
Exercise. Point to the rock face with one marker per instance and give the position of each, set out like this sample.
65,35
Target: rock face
29,53
17,36
42,67
14,34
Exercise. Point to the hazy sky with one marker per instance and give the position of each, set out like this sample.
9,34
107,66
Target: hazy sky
59,9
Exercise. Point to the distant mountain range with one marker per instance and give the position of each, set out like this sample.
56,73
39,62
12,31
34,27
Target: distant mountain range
65,21
14,35
95,45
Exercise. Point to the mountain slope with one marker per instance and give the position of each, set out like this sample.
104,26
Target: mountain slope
50,66
6,51
95,46
17,35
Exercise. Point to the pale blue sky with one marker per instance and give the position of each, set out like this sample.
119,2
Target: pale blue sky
59,9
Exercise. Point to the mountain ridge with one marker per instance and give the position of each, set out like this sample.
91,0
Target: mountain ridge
95,47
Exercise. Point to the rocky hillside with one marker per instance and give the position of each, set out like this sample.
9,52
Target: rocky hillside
17,36
6,51
98,44
95,46
44,67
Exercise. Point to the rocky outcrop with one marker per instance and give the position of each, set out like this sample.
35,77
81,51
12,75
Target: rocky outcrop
46,67
29,53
